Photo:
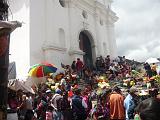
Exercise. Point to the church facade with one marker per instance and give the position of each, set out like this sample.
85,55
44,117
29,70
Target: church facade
59,31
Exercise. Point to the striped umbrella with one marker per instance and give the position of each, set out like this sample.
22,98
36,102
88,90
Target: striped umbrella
41,70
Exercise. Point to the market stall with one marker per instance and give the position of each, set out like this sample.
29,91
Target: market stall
15,84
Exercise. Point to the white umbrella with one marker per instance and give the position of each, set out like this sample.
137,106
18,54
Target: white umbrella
16,85
152,60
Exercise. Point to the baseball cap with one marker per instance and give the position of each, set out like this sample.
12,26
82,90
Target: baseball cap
58,91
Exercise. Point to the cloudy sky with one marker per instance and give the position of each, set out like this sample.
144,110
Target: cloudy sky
138,28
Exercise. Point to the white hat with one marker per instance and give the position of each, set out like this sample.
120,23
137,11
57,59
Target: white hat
48,91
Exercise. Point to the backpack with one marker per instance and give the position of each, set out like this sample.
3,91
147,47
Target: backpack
78,111
62,104
65,104
59,104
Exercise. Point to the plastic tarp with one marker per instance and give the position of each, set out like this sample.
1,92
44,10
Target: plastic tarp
16,85
12,25
12,70
30,81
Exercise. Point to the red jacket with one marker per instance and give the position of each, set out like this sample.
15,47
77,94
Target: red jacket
79,65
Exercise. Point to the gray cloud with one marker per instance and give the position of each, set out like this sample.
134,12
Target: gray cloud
138,28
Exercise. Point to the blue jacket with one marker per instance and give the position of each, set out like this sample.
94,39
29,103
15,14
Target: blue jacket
129,105
78,110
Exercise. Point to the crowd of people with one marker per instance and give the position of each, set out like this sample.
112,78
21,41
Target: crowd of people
68,100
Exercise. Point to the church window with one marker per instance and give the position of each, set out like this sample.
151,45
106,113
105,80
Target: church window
104,47
84,14
61,37
62,3
101,21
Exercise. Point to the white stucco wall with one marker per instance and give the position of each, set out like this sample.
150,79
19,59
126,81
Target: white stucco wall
19,41
37,30
112,41
39,36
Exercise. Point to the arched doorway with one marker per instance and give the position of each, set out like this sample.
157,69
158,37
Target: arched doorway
86,44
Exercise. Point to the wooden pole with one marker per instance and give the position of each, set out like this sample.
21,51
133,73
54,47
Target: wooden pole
5,29
4,61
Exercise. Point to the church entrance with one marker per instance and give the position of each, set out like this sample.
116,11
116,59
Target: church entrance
86,45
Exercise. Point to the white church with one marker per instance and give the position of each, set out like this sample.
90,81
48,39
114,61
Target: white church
59,31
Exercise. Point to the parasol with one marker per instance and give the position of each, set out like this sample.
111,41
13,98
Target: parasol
42,70
152,60
15,84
